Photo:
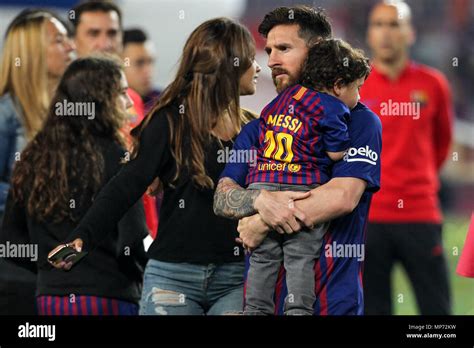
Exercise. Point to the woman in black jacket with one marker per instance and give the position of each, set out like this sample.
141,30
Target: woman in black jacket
60,172
196,267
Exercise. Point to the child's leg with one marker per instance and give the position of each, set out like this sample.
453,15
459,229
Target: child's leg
301,250
265,262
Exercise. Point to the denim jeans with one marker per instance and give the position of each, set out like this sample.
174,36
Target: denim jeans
192,289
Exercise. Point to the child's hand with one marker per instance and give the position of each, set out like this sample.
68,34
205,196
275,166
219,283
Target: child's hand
252,231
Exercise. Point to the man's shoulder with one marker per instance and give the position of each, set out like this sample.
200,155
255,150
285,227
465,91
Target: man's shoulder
428,74
362,116
332,105
250,128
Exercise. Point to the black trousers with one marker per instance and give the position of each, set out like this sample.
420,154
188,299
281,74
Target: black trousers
418,246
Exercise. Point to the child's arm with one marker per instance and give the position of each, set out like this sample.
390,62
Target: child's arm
335,133
336,156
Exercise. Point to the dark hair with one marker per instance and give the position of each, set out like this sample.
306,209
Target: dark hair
134,35
63,161
313,22
94,6
333,60
215,56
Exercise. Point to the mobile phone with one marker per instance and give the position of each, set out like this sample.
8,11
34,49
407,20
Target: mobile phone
67,254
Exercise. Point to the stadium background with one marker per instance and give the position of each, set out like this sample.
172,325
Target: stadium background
445,40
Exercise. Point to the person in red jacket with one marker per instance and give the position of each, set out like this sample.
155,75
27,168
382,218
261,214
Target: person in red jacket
414,104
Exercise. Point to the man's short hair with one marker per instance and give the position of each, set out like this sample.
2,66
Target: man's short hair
94,6
134,35
313,22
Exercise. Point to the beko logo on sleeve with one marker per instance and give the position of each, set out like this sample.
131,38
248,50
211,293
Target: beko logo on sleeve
361,154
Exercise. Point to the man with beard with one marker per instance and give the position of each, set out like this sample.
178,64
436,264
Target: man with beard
344,200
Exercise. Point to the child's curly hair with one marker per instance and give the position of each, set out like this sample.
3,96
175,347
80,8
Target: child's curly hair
332,61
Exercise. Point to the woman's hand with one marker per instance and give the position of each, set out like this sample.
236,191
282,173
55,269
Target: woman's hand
66,266
252,231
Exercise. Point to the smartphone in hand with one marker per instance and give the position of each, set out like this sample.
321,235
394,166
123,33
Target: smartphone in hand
67,254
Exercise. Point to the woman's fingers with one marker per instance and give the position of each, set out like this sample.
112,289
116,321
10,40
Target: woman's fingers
77,244
61,264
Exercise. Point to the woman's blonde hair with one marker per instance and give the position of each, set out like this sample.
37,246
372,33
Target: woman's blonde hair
23,70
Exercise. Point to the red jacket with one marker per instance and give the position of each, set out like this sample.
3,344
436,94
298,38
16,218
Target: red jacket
416,114
466,261
137,114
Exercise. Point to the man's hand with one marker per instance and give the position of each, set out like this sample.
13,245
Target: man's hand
66,266
277,209
252,231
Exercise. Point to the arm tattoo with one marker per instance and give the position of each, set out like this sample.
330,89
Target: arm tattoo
233,201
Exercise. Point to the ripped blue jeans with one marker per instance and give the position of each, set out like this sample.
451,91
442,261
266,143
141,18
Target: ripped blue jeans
192,289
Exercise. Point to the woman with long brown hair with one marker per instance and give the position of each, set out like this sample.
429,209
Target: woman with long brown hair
60,172
196,266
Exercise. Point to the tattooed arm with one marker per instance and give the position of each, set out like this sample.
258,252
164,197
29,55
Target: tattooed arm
276,208
233,201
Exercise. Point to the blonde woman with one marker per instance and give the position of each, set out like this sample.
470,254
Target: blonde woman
35,54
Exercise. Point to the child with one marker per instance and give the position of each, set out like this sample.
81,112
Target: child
301,132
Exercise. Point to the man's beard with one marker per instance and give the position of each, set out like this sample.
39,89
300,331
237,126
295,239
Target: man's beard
280,84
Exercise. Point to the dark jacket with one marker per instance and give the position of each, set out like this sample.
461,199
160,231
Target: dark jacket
113,269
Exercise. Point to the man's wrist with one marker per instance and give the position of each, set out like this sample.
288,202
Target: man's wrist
257,203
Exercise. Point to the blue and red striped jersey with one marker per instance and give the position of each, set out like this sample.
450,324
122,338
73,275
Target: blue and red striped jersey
295,131
338,279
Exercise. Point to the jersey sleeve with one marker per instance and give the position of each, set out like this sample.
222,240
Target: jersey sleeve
335,132
362,159
247,140
333,126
